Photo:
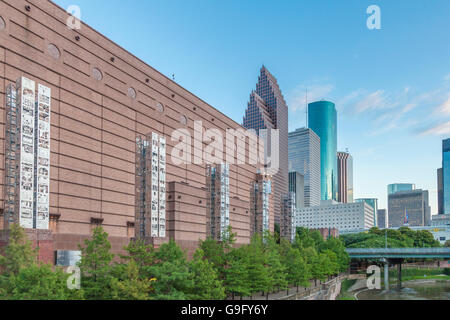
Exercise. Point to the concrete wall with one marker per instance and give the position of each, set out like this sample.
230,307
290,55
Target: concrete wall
328,290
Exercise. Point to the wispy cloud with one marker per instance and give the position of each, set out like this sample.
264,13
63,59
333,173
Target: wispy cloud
298,97
384,110
437,130
373,101
409,107
362,101
402,109
444,108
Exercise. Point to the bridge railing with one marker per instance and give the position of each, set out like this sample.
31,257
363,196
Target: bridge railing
404,252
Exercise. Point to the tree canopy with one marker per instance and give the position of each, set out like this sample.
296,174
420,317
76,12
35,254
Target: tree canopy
216,270
403,237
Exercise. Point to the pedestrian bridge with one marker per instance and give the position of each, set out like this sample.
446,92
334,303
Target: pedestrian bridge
399,253
389,256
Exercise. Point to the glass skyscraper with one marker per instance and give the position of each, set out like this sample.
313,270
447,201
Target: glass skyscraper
446,175
304,158
440,189
322,119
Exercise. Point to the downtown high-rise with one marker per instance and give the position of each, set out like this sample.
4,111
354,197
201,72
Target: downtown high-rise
267,110
322,119
304,158
440,191
444,187
345,177
409,208
382,219
297,186
373,202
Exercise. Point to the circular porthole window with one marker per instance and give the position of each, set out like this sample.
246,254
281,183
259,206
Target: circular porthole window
132,93
97,74
53,51
159,107
2,24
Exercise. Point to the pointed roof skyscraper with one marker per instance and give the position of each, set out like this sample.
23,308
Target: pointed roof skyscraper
267,109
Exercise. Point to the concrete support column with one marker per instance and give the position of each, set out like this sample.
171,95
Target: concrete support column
399,274
386,276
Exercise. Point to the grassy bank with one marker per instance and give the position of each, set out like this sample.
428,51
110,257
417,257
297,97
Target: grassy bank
418,274
345,295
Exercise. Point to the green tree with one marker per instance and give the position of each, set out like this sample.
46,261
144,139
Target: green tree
206,285
23,277
214,252
447,244
376,231
39,282
309,254
311,258
317,238
217,252
143,255
322,266
173,278
303,238
337,246
276,270
404,237
95,266
332,267
276,233
18,253
306,238
425,239
236,275
130,285
297,270
255,263
228,239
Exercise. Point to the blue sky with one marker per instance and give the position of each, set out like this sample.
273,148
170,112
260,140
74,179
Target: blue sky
391,86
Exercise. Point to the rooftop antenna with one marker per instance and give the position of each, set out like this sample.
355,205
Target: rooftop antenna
173,76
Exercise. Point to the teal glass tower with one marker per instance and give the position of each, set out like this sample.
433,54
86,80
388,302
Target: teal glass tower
322,119
446,175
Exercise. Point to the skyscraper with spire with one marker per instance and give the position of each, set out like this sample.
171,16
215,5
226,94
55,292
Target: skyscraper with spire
267,109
